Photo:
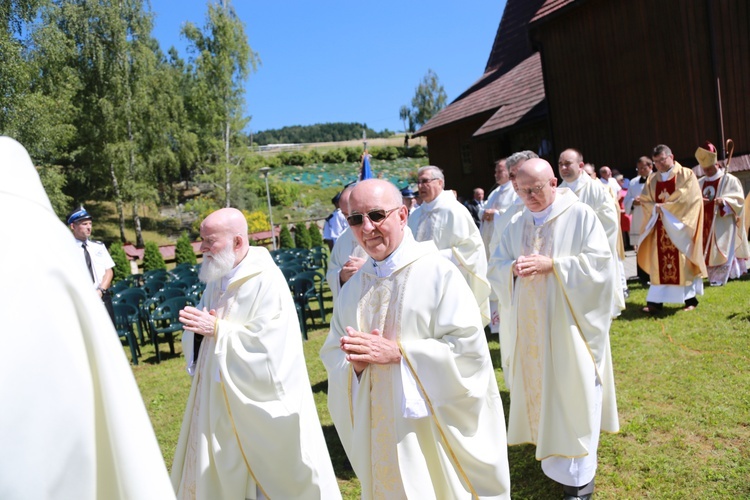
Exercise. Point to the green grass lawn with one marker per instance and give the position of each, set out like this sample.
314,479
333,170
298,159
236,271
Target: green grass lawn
683,390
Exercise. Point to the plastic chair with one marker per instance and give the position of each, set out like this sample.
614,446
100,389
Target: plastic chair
125,314
153,285
119,287
134,297
318,279
303,290
156,273
165,321
183,285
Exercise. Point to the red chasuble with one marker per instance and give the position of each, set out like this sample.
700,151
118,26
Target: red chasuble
668,255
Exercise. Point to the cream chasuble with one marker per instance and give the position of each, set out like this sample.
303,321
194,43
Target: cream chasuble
500,199
449,224
598,196
431,427
724,239
73,421
346,246
554,329
250,424
671,246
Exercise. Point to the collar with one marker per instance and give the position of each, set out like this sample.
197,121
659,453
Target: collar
387,266
717,175
541,217
665,175
428,207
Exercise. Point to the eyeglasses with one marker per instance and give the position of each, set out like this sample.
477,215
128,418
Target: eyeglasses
426,181
526,192
375,216
566,163
662,159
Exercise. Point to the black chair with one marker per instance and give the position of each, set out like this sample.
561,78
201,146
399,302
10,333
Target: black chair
303,290
125,314
165,322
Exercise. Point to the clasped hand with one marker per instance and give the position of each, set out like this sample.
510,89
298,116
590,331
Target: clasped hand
531,265
197,321
362,348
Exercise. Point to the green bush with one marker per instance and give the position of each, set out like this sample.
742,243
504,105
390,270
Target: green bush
334,156
301,236
387,153
122,264
297,158
314,156
283,193
285,237
416,151
316,239
352,154
152,258
183,251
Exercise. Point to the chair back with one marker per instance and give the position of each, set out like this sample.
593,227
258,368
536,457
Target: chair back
124,314
128,295
152,286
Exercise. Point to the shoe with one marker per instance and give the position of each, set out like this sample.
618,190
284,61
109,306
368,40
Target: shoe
688,308
582,497
650,310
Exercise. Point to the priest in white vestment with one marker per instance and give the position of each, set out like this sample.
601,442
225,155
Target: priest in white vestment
442,219
597,196
251,429
346,256
724,238
411,388
73,421
632,205
553,275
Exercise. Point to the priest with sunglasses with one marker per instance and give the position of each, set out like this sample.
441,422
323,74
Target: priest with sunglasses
411,389
442,219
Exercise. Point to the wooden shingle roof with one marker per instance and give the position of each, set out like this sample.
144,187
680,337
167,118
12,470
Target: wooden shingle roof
512,81
550,7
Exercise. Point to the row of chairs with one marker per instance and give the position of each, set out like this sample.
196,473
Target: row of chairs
153,307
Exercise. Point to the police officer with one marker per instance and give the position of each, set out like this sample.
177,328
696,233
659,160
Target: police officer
96,257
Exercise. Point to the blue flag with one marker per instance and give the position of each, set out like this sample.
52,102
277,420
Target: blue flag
365,172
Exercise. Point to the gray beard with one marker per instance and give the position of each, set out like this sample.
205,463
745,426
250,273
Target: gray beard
214,269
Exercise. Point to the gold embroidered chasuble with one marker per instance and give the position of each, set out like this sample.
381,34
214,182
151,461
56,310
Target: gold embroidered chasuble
455,449
671,247
554,328
250,423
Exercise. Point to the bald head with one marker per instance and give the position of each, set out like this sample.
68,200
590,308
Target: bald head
377,188
222,228
536,184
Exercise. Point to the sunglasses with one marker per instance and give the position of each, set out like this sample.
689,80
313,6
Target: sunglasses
375,216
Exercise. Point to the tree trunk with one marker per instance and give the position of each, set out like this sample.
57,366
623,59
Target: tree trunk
227,185
118,202
136,218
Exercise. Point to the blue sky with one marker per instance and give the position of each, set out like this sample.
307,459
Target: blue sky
347,60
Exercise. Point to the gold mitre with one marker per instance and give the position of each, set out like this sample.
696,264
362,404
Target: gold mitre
706,155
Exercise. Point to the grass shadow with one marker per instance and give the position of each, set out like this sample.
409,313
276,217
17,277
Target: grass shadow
341,465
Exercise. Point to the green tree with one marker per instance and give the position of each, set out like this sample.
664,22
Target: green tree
222,63
316,239
183,251
405,114
120,258
54,181
301,236
429,98
152,258
285,237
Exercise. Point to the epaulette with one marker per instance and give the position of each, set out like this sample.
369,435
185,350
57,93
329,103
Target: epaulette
329,217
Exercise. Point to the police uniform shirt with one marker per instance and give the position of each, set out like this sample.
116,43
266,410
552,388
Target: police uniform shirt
100,259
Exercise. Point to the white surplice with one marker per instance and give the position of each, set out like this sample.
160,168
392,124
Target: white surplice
431,426
500,199
555,331
597,196
449,225
634,191
251,425
346,246
74,424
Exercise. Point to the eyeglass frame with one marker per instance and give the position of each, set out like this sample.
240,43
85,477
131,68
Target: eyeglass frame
426,181
536,190
385,213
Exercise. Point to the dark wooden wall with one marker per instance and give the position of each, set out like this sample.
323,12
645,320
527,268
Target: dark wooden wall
624,75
